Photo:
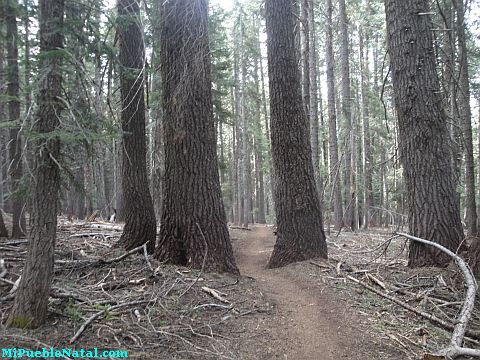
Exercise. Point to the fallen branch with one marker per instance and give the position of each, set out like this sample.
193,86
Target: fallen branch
460,329
100,262
100,313
215,294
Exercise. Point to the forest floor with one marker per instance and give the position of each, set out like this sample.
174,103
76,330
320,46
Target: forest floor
307,310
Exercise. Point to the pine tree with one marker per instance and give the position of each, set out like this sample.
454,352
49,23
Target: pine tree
31,300
193,229
140,224
423,135
299,221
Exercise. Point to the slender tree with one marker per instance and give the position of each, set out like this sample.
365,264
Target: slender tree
423,134
466,119
3,137
3,229
300,233
31,300
246,165
313,98
15,141
332,122
140,224
193,228
347,117
367,153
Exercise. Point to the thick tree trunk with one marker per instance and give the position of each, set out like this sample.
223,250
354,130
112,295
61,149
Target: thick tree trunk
30,306
140,224
299,220
423,134
466,120
15,146
158,144
332,123
193,228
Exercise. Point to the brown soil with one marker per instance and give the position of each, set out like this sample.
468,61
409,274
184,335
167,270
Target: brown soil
309,322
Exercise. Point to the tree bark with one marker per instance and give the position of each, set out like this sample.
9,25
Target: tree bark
259,138
332,122
193,228
246,166
30,306
367,154
347,117
423,135
15,147
466,120
299,220
140,224
3,229
3,135
313,96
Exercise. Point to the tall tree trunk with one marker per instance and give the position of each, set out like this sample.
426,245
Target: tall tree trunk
423,135
158,147
367,154
246,166
13,91
140,224
268,177
332,122
193,229
466,120
347,117
313,96
299,220
238,136
259,139
30,306
3,135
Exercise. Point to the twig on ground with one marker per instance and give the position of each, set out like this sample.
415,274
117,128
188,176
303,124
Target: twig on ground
100,313
215,294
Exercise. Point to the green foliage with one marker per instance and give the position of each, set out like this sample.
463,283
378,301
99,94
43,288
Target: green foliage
21,322
72,311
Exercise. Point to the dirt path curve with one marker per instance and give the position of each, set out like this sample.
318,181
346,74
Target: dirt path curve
309,322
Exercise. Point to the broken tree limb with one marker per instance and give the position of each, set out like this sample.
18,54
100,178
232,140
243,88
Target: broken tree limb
215,294
460,329
100,313
99,262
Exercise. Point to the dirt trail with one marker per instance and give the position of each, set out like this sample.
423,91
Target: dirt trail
308,321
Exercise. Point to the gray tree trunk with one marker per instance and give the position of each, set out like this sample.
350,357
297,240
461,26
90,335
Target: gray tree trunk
332,122
30,306
193,229
347,117
466,120
300,233
140,224
424,142
15,166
